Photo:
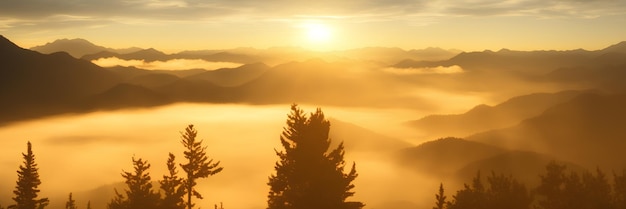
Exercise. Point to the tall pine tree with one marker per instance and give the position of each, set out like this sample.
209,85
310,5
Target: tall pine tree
308,174
139,193
71,203
172,186
440,198
27,183
198,164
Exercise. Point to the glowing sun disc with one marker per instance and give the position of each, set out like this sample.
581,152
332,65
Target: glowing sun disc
318,33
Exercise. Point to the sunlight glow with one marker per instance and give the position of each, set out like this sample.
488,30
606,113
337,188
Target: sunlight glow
318,33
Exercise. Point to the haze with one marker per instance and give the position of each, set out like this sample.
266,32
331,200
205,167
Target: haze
81,153
185,25
422,93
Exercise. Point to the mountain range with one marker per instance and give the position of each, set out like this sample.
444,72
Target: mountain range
78,47
84,49
579,122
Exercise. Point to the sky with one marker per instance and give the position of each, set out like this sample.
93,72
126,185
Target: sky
175,25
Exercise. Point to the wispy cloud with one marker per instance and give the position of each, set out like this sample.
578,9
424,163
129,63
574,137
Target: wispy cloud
203,10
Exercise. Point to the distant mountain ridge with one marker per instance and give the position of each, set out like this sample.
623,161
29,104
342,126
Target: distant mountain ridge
533,62
588,130
77,47
483,118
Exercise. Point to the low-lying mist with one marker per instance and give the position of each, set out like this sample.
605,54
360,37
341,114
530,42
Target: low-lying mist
173,64
85,154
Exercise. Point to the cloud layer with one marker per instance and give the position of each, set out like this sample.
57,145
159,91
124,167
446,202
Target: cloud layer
15,13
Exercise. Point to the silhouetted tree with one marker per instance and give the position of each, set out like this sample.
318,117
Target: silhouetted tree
139,193
221,206
71,203
619,188
27,183
597,190
552,187
501,192
573,191
506,192
172,186
198,165
308,175
470,197
89,205
440,198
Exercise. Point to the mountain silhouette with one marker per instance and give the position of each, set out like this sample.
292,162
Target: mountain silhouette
483,117
357,138
39,84
527,62
77,47
232,76
148,55
126,95
444,157
587,130
605,72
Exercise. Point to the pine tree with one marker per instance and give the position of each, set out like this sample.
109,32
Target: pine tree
440,198
308,175
139,193
198,165
619,188
552,186
27,183
172,186
470,197
506,192
71,203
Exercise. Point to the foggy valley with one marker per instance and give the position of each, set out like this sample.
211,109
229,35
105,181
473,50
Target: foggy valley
409,119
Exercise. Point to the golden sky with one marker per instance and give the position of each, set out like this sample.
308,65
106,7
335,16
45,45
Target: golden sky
174,25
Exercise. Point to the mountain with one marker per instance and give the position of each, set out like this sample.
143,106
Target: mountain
39,84
528,62
483,117
444,157
606,72
587,130
394,55
148,55
356,138
77,47
232,76
616,48
127,95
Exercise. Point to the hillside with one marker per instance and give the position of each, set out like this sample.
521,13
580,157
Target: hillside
587,130
483,117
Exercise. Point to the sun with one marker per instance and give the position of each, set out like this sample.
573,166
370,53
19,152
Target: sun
317,33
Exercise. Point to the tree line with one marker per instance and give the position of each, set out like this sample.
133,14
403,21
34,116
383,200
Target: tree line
308,174
558,189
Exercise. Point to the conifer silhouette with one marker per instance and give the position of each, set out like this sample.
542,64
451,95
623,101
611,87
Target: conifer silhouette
139,193
198,164
71,203
172,186
308,175
440,198
27,183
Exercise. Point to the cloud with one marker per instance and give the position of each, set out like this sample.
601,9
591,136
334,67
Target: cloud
173,64
195,9
52,14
